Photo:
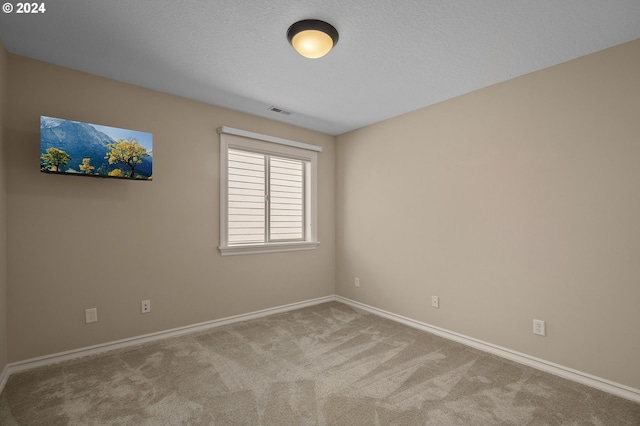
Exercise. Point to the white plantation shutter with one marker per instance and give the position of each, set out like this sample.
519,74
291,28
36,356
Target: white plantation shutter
246,189
286,199
268,194
252,193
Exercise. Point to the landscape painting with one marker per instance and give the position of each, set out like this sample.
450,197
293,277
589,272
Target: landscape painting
85,149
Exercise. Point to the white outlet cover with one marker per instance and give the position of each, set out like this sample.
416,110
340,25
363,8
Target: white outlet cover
539,327
90,315
435,301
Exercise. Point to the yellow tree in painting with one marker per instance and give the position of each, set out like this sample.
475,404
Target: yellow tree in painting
86,166
116,173
55,159
128,152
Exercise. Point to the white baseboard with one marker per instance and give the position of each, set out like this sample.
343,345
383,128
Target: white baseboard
4,377
540,364
28,364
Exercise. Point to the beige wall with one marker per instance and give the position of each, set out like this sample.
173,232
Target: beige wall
518,201
3,212
77,243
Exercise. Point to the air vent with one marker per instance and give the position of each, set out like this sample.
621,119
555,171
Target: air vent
279,110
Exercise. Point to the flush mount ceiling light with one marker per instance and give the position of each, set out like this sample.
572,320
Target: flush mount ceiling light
312,38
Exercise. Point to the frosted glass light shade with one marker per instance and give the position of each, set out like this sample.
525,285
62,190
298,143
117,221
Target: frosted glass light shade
312,38
312,43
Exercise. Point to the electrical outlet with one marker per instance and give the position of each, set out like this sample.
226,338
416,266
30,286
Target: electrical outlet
435,301
145,306
356,282
91,315
539,327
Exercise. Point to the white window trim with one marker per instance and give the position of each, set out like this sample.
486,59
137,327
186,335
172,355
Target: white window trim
231,138
267,138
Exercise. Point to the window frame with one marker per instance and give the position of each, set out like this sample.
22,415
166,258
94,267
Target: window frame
282,148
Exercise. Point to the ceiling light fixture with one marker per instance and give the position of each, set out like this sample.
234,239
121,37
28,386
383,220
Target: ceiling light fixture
312,38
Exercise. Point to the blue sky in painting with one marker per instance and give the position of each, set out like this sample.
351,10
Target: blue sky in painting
143,138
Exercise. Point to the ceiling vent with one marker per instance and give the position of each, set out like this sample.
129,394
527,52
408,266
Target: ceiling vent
279,110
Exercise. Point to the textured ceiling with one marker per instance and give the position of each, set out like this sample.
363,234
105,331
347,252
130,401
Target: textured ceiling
393,56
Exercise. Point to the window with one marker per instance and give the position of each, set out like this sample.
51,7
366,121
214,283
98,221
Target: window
268,193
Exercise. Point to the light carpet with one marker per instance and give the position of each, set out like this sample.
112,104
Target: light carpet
328,364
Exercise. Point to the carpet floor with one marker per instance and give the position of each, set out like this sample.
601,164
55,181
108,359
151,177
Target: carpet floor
328,364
